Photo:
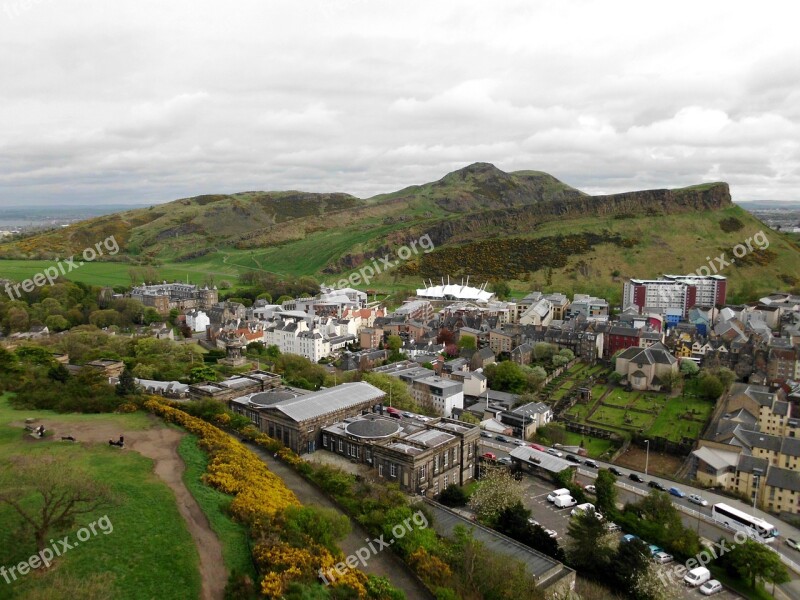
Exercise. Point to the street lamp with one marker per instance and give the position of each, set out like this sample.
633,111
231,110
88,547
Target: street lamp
647,456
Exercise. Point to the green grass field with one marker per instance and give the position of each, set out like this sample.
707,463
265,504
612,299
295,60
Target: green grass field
149,553
232,535
595,447
616,418
670,424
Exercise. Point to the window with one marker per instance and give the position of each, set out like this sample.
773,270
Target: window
380,470
436,463
445,481
341,446
446,457
423,472
324,440
392,470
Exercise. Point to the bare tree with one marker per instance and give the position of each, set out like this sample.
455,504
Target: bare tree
49,493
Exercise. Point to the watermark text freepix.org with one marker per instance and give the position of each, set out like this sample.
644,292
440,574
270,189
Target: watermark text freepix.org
383,263
50,274
373,547
677,572
719,263
45,556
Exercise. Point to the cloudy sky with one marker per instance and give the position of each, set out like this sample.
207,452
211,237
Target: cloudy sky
150,101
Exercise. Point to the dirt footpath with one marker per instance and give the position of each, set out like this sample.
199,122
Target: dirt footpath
160,444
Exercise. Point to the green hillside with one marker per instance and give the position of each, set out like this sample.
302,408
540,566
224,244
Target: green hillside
525,226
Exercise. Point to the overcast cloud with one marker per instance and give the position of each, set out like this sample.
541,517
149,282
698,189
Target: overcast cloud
150,101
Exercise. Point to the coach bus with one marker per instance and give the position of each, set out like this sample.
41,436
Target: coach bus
733,518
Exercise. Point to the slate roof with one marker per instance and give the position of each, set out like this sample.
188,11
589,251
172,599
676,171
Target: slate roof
783,478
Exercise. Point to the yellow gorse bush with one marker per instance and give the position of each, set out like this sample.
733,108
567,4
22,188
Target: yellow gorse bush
259,495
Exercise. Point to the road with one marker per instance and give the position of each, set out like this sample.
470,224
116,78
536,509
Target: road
630,491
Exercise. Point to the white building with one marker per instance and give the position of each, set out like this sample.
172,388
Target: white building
197,320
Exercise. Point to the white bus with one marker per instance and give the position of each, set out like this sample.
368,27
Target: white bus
733,518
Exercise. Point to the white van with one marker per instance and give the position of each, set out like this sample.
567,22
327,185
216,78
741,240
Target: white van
551,497
564,502
697,576
586,507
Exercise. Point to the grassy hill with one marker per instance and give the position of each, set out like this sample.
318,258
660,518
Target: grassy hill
524,226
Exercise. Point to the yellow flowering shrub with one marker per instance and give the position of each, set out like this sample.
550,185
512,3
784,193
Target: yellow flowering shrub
259,495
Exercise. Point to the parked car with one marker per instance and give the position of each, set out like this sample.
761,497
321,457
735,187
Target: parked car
551,497
552,533
616,472
573,459
711,587
489,456
793,543
695,499
585,507
676,492
697,576
611,526
501,438
635,477
657,486
590,463
533,522
629,537
662,557
505,460
554,452
590,489
564,502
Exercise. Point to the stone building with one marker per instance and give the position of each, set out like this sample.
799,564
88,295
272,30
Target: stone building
421,457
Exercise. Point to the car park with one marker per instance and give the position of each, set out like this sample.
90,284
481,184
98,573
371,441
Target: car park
711,587
551,497
676,492
573,459
635,477
590,463
792,543
554,452
590,489
695,499
657,486
616,472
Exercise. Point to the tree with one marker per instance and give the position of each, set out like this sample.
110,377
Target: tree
726,377
630,562
204,373
566,353
689,367
454,495
672,380
127,384
559,361
61,492
649,586
446,336
544,351
468,417
507,376
606,492
710,387
56,323
394,343
589,545
495,492
501,289
754,561
615,377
